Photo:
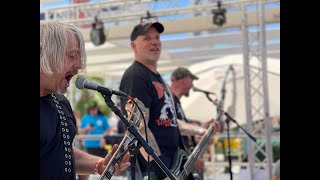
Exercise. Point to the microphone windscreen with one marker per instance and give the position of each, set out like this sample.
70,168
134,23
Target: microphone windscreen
80,82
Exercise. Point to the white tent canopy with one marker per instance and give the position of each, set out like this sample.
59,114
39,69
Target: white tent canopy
211,76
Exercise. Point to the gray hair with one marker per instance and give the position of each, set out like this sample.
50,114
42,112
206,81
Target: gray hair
53,45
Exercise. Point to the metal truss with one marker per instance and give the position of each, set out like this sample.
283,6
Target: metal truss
124,11
256,93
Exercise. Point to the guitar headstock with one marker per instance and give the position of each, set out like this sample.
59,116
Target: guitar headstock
134,115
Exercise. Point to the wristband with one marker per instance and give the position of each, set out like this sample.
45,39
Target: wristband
97,165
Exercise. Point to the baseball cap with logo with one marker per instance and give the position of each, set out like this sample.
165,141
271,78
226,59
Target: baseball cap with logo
143,27
182,72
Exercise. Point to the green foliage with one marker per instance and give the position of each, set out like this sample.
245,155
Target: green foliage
89,96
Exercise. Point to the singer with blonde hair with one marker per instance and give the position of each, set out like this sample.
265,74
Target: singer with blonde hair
62,55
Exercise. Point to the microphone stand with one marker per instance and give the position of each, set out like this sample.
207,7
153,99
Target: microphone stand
133,152
229,150
219,118
220,113
228,119
233,120
132,129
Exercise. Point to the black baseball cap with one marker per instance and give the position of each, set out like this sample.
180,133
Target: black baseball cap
182,72
143,27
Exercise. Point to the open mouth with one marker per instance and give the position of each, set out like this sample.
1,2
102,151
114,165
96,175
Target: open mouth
68,78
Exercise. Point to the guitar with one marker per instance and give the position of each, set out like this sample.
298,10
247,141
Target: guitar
134,118
183,165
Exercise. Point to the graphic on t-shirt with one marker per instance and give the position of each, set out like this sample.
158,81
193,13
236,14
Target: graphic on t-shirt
165,120
159,88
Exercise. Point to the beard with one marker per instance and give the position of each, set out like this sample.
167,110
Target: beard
62,88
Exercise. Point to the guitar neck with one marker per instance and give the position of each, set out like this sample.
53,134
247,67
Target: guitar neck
134,119
117,156
198,150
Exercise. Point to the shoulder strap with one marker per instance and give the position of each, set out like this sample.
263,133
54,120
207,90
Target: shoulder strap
65,135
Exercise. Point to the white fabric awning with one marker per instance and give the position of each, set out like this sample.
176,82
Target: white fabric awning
211,76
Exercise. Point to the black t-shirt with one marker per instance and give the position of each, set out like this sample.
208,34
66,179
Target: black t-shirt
122,128
54,157
138,81
188,141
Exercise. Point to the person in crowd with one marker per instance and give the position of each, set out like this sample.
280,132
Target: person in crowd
62,55
114,122
95,123
142,81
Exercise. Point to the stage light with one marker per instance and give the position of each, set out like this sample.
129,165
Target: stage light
149,18
219,17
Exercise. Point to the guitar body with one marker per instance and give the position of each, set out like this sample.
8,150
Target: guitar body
183,166
180,158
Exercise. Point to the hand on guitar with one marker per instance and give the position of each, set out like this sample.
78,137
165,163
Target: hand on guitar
216,127
207,124
200,131
199,164
120,166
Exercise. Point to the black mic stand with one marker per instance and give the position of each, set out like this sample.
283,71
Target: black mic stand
133,156
132,129
220,113
233,120
228,119
229,150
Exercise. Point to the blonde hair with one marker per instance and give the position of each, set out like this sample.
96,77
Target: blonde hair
53,45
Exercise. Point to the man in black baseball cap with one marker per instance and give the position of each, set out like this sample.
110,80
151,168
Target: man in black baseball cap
182,72
143,27
143,81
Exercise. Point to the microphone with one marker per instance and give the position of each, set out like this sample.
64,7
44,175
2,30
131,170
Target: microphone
82,83
200,90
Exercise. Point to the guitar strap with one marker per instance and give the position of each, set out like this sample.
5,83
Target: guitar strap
193,141
65,135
